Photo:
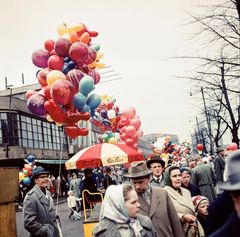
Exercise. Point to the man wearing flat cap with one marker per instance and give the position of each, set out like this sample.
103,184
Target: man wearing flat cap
156,165
155,202
38,209
231,228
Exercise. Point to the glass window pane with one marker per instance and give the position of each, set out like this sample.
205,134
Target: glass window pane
23,118
36,144
34,128
41,144
4,116
30,143
29,120
46,145
34,121
39,130
25,143
24,126
24,134
30,136
50,145
35,136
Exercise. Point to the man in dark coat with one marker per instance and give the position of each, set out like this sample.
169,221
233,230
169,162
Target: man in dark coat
39,215
232,227
107,180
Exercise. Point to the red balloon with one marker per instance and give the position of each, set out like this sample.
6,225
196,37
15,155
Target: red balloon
42,76
123,136
74,131
228,148
74,117
55,112
129,112
62,46
129,141
78,52
199,147
49,45
233,146
47,91
55,62
62,91
74,76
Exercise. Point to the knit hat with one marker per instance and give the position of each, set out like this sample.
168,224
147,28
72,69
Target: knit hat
197,200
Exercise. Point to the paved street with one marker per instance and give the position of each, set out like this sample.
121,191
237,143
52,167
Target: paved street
70,227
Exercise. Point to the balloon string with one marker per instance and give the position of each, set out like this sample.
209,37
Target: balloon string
59,170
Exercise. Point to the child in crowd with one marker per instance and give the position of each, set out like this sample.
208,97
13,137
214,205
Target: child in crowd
201,204
72,204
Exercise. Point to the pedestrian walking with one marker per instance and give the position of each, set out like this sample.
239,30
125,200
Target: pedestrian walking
38,209
72,204
119,215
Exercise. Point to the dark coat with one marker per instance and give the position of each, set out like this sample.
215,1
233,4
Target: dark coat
219,166
218,212
107,181
230,229
39,214
193,189
109,228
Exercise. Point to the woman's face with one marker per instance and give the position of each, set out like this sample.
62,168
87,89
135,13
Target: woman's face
132,204
176,178
185,178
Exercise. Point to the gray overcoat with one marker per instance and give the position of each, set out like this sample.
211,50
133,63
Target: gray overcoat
39,215
162,213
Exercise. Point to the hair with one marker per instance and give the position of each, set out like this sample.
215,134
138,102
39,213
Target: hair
87,172
168,171
126,189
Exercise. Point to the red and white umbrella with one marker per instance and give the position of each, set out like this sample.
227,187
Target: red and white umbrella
104,154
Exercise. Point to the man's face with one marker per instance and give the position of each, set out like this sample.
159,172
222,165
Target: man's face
140,184
157,169
42,180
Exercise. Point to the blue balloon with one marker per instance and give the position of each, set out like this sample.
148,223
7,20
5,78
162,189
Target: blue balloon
26,181
92,112
30,158
86,85
85,108
96,47
79,100
93,101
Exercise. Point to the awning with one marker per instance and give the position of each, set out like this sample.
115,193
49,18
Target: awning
52,162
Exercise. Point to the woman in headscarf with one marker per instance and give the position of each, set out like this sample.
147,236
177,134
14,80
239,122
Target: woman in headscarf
182,202
119,215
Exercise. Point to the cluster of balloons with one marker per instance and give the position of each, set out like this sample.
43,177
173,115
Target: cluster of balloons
67,76
232,147
110,137
129,127
165,145
25,174
185,149
107,115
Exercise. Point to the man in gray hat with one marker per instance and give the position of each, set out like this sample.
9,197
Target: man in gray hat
232,226
156,165
155,202
38,210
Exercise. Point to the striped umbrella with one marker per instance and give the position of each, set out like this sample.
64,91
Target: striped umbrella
104,154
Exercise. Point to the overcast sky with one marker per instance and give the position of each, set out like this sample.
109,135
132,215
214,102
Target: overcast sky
136,38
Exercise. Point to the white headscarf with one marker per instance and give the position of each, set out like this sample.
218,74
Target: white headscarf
114,208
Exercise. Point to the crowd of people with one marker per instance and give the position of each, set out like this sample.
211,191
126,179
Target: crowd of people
197,197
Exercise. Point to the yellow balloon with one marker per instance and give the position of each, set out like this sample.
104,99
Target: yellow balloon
21,176
112,140
76,28
62,29
53,76
49,119
104,98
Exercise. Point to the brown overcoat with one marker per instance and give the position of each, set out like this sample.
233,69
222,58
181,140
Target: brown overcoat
162,213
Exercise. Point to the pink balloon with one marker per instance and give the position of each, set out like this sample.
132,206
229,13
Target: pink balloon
129,112
135,122
92,54
42,76
233,146
123,136
140,133
62,91
30,93
95,75
129,141
130,131
40,57
74,76
49,45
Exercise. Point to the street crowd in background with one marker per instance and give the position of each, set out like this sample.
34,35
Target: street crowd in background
194,196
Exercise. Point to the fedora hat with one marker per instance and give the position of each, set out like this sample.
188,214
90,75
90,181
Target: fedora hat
219,149
138,169
37,171
233,168
155,159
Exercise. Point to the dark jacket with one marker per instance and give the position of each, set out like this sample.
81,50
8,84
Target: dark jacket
107,181
219,166
109,228
230,229
39,214
218,212
193,189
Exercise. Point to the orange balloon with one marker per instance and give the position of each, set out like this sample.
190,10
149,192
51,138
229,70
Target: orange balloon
85,38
